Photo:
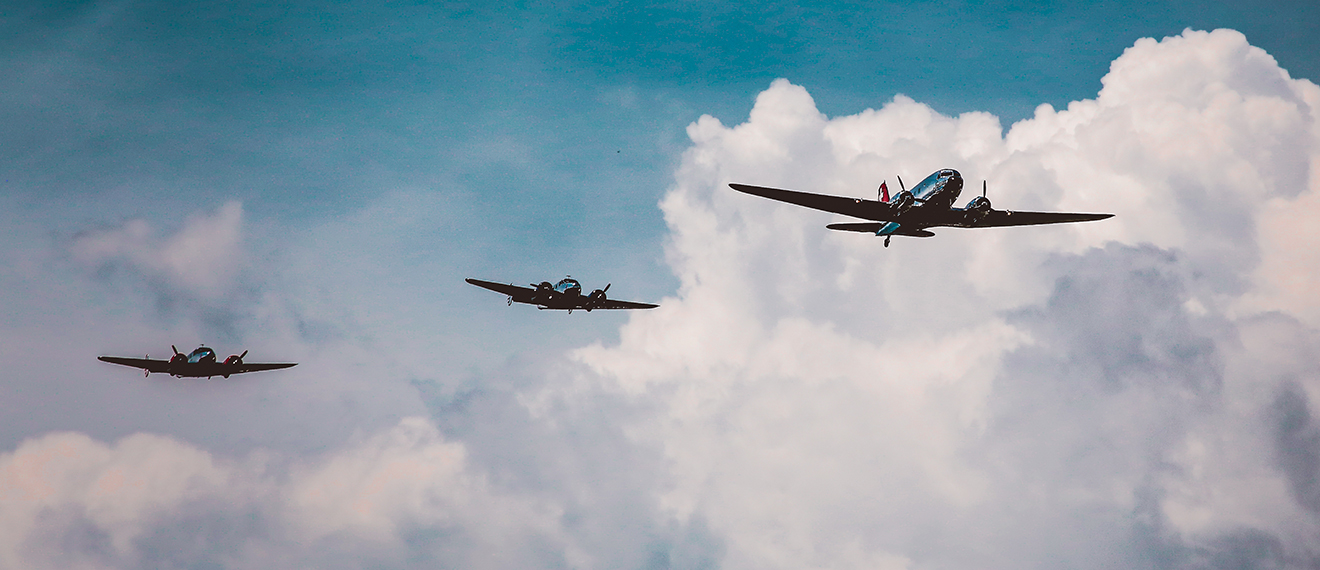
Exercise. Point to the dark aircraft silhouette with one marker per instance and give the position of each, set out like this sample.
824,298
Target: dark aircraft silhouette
928,205
565,295
199,363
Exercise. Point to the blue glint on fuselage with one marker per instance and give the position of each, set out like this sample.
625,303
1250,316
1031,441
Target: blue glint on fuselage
939,189
197,355
933,183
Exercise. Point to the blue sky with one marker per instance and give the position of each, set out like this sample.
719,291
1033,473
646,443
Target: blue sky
314,182
551,130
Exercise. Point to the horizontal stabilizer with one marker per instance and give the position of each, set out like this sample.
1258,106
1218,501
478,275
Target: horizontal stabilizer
868,227
872,227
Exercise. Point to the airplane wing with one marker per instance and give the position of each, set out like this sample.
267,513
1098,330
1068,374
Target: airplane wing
855,207
519,294
149,364
613,304
257,366
1004,218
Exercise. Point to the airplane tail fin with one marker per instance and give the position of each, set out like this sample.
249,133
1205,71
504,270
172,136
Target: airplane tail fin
884,191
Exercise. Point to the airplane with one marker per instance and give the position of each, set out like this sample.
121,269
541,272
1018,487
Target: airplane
929,204
198,363
567,294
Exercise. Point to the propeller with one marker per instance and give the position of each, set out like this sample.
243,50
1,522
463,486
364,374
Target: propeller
176,351
596,297
984,202
905,199
178,356
979,207
236,358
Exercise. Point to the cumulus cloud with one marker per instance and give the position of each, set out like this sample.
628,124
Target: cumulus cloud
1137,392
1094,395
66,490
203,258
199,271
390,500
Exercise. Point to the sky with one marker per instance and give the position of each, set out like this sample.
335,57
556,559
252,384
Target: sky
312,183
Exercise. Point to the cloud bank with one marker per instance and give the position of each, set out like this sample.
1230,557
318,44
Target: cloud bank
1138,392
1129,393
152,501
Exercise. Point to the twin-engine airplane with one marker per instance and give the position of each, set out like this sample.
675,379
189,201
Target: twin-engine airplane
565,295
928,205
198,363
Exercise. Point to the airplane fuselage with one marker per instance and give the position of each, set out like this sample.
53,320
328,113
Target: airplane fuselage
565,295
939,190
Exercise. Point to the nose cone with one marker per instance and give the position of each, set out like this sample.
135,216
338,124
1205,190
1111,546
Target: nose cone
955,182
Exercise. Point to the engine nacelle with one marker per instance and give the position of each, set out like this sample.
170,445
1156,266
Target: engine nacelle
234,359
178,358
903,202
976,210
594,300
542,293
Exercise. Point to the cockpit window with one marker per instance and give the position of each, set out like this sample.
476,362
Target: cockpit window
197,355
567,284
932,183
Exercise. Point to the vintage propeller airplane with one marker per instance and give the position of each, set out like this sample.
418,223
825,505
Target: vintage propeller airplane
565,295
198,363
929,204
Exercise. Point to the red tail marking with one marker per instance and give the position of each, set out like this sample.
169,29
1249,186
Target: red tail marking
884,192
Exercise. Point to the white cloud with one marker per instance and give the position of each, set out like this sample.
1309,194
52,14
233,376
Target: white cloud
203,258
358,504
1071,395
411,477
119,490
1136,392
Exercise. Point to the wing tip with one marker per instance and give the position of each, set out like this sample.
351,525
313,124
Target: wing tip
750,189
